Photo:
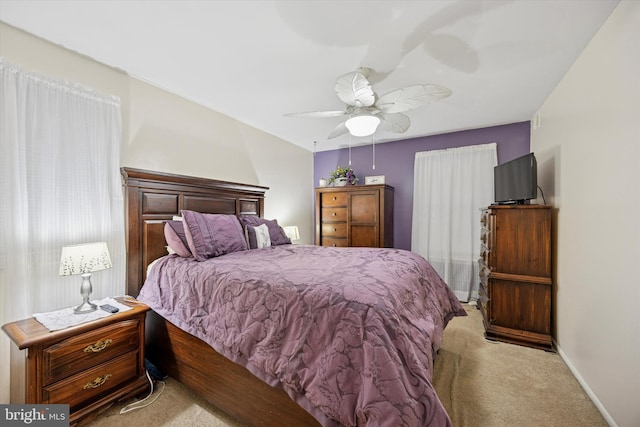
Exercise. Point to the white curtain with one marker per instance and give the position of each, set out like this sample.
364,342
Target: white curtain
59,185
450,187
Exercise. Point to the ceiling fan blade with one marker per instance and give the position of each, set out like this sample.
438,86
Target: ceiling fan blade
394,122
354,89
411,97
318,114
341,129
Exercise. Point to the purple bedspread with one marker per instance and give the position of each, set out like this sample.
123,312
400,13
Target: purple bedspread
349,333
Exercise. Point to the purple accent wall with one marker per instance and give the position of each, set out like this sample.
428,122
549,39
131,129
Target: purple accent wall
395,161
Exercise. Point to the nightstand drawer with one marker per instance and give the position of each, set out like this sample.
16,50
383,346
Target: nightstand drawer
334,199
86,385
84,351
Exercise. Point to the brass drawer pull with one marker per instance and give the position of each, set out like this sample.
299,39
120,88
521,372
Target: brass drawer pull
97,382
97,347
334,214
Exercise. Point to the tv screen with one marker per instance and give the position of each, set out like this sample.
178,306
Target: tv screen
516,181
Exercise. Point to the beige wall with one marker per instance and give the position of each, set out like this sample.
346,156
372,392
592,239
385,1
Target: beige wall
164,132
588,151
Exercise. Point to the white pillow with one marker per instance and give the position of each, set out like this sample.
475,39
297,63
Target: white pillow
262,236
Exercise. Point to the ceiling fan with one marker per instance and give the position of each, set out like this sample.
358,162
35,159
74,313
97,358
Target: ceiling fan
367,112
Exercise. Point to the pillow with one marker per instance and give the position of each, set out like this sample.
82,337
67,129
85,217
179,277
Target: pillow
176,238
258,237
212,235
276,233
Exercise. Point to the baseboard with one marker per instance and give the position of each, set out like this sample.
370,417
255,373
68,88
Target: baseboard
585,386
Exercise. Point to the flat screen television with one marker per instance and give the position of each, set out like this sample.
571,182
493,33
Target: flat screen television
516,181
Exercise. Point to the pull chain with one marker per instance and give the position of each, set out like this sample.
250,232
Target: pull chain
349,148
373,141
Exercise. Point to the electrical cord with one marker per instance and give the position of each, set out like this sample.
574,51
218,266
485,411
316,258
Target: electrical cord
138,404
545,202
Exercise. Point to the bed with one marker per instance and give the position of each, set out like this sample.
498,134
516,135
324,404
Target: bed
357,353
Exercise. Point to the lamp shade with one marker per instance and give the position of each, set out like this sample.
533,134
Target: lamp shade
292,232
362,125
86,258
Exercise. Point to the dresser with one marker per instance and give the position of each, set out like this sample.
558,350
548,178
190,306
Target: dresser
355,215
515,274
88,366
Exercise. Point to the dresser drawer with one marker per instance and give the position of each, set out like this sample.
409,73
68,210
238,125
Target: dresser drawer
334,214
484,218
483,289
485,235
334,230
335,241
84,351
484,255
333,199
484,273
93,382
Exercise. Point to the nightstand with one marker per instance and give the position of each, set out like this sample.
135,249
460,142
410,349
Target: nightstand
89,366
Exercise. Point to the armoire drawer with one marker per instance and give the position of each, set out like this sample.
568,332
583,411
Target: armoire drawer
334,214
334,230
334,199
335,241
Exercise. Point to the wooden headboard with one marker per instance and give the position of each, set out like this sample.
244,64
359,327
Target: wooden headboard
151,198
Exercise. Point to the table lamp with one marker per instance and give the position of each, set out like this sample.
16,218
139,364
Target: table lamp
292,232
84,259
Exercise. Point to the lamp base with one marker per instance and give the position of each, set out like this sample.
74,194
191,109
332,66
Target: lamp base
85,307
85,291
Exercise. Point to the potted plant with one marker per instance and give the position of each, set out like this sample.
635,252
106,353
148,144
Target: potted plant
343,176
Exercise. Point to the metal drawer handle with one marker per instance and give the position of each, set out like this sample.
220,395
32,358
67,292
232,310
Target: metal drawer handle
334,214
335,198
97,347
97,382
335,229
334,245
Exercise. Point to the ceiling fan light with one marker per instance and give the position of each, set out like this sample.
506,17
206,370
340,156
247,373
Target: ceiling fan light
363,125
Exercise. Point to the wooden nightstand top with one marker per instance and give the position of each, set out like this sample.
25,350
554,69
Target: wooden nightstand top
29,332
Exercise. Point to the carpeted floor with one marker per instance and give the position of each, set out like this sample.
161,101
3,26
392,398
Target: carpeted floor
484,383
480,383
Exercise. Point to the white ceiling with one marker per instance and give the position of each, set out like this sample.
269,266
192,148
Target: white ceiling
257,60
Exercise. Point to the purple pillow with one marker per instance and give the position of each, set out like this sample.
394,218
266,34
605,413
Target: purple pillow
276,233
176,238
212,235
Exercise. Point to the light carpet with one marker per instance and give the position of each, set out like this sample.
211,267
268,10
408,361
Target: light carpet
480,383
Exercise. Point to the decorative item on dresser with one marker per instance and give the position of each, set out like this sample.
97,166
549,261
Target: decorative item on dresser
342,176
515,274
88,366
355,216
